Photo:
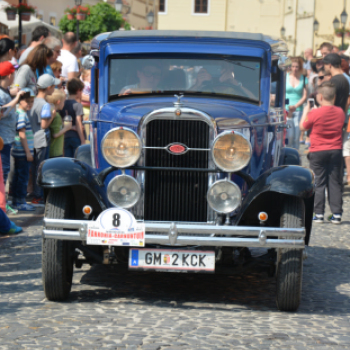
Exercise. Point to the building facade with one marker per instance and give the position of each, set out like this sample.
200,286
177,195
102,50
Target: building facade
262,16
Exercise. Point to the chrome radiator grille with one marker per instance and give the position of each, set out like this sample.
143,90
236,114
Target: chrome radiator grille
176,195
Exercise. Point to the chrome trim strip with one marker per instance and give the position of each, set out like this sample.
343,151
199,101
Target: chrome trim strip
252,236
228,242
233,127
169,113
187,149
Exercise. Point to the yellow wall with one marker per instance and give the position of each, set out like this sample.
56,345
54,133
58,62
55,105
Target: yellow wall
180,16
242,15
255,16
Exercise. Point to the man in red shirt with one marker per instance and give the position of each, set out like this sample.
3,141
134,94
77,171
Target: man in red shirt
325,156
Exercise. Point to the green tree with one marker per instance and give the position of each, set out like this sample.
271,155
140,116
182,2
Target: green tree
103,18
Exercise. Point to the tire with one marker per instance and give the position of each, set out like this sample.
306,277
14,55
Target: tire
290,261
57,255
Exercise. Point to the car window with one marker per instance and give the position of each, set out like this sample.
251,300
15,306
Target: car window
226,77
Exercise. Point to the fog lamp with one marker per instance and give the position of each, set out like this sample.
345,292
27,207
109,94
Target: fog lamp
231,151
123,191
224,196
121,147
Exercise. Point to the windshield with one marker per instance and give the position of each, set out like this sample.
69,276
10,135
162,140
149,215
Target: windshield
239,78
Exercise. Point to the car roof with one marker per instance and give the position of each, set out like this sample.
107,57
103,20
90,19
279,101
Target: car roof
276,45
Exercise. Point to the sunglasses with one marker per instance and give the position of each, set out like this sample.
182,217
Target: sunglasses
149,74
321,77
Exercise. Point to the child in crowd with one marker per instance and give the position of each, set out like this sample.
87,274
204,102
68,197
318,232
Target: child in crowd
325,156
56,69
74,137
57,99
7,227
8,117
85,98
40,117
22,152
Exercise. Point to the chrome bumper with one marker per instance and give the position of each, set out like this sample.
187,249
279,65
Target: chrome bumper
182,234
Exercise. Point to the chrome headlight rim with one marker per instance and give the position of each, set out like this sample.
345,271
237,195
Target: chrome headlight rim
116,129
229,132
231,183
116,178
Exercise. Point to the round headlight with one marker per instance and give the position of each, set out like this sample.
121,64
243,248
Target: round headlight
224,196
231,151
121,147
123,191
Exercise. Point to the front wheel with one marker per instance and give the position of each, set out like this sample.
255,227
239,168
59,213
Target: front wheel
290,261
57,255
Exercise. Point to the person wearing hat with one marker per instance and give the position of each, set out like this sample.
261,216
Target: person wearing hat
332,65
40,117
22,152
8,117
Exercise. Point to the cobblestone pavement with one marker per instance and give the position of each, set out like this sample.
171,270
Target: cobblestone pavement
109,308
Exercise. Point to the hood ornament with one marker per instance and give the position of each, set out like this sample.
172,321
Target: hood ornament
178,102
178,105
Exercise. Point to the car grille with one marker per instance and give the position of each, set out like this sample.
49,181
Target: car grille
176,195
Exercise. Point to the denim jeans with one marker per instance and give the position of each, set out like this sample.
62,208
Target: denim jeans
70,145
293,133
6,159
39,157
5,223
20,180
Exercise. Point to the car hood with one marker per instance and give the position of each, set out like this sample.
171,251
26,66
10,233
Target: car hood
128,112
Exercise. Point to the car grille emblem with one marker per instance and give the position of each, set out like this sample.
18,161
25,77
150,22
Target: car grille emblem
177,149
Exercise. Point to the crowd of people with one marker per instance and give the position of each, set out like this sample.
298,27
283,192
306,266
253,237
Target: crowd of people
44,96
317,102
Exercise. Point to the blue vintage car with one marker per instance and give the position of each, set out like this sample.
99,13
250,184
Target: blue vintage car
186,170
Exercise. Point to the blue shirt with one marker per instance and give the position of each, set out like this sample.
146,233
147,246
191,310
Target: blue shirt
47,70
22,122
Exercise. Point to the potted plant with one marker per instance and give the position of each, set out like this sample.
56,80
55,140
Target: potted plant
347,33
339,32
82,12
25,10
11,12
70,13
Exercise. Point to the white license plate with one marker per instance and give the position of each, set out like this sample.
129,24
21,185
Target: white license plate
172,260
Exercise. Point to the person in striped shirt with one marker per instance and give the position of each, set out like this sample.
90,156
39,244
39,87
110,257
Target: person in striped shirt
22,152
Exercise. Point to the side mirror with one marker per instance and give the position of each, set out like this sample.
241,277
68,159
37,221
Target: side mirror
284,63
88,62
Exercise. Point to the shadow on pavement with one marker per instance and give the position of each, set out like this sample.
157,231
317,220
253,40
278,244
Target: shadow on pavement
326,288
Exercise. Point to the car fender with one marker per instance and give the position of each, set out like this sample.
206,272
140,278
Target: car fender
83,153
69,172
289,180
289,156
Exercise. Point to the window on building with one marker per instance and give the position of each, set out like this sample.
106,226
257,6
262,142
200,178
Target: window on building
53,21
162,5
201,6
39,16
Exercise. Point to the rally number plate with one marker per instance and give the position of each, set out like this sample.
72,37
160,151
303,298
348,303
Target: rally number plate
172,260
116,227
